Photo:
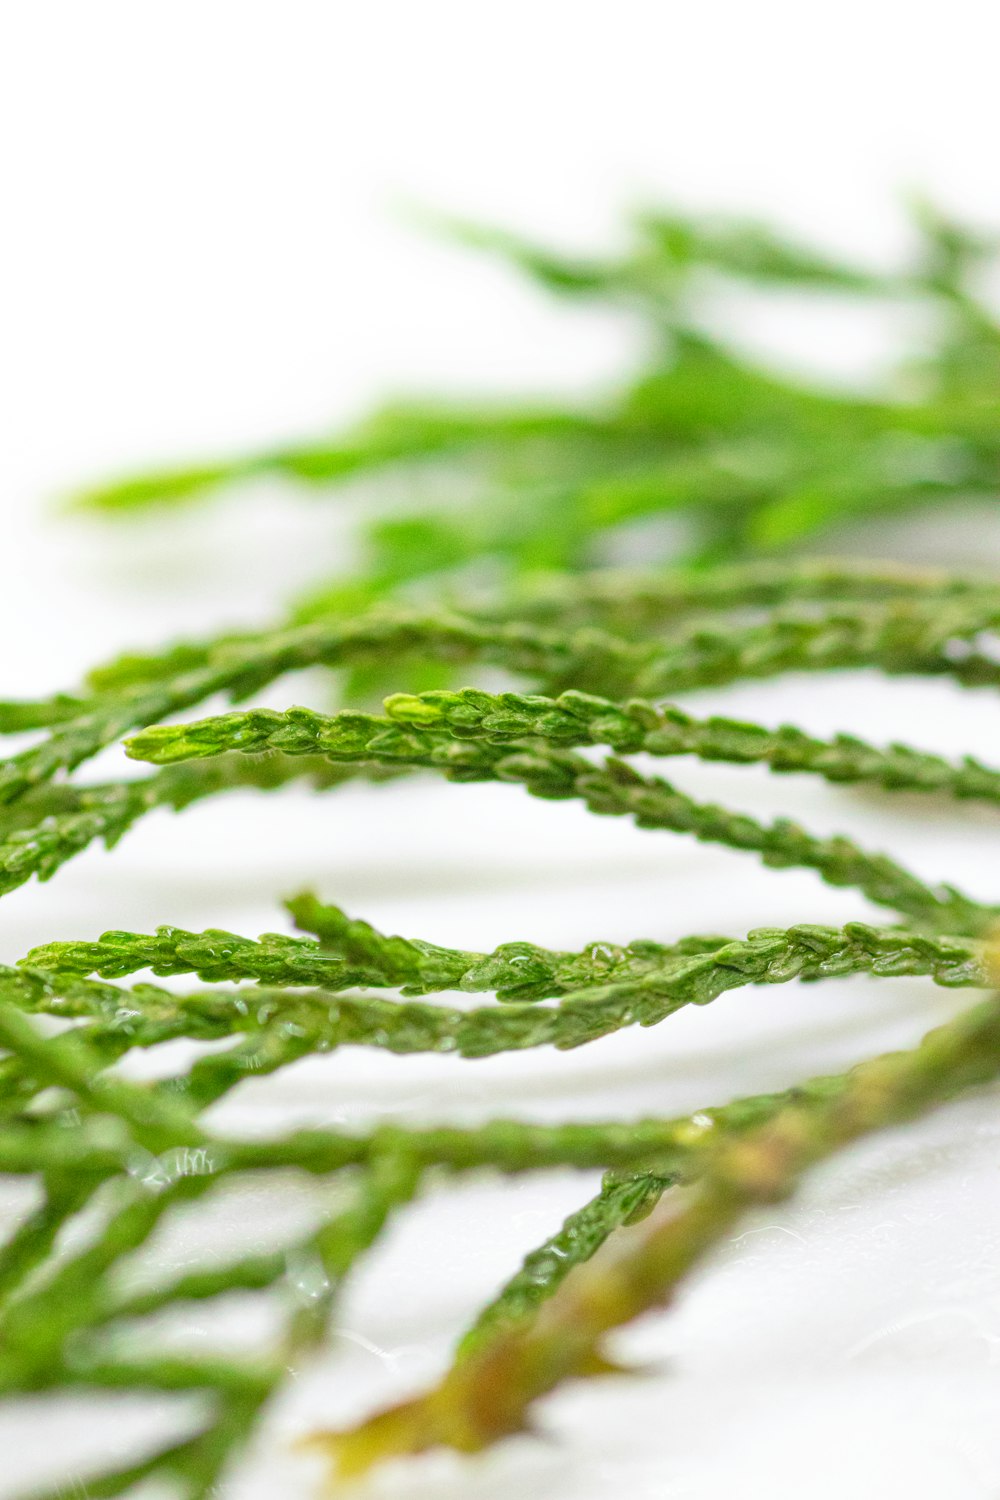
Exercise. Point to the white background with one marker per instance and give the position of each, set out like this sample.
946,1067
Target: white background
202,250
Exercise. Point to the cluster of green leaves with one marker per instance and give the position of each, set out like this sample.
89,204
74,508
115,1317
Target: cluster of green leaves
597,655
751,459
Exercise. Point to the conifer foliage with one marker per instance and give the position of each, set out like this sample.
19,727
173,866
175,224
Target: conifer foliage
522,577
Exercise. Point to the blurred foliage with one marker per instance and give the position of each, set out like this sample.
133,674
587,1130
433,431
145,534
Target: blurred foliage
749,458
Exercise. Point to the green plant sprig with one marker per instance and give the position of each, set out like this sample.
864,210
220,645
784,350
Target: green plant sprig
396,1161
40,829
241,671
629,602
636,601
612,789
603,984
486,1394
753,458
433,721
297,1004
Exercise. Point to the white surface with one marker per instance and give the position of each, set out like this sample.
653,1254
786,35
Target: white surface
197,256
